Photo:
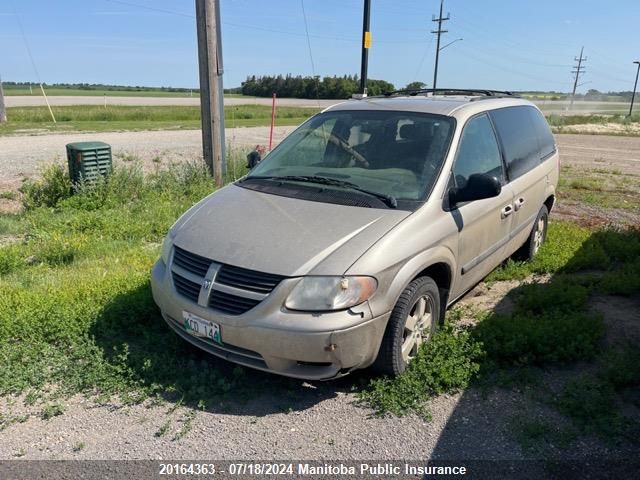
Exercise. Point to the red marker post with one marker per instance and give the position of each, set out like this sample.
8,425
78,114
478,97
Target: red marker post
273,119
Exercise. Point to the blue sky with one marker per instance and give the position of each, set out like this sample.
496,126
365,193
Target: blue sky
506,44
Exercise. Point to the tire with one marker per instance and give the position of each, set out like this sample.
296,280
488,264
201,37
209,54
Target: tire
536,238
398,345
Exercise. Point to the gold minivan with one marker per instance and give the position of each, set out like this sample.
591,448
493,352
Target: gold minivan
344,246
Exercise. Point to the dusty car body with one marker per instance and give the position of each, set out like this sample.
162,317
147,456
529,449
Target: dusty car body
344,246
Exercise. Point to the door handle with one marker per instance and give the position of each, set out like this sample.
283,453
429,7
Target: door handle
518,203
506,211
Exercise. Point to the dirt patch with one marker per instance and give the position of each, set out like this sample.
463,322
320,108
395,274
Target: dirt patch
621,316
10,206
594,216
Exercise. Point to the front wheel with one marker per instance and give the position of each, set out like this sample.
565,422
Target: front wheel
536,238
413,322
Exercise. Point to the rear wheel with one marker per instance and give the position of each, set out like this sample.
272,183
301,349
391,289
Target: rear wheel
536,238
413,322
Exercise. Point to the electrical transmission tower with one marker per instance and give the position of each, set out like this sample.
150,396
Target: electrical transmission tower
439,31
577,71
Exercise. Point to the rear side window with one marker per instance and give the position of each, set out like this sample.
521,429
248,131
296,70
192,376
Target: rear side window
519,139
546,142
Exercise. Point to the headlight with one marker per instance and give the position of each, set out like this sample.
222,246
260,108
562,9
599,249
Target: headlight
166,246
330,293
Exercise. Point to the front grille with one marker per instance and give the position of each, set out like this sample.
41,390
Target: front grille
186,287
231,304
189,271
248,279
191,262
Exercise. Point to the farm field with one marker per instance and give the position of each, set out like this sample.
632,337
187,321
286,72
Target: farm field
558,107
37,120
145,100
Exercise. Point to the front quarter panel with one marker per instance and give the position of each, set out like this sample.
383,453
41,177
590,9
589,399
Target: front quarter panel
427,237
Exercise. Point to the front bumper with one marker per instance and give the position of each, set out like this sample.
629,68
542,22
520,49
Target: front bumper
315,346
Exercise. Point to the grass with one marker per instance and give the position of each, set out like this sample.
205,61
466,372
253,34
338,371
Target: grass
53,91
601,119
117,118
76,313
549,326
600,187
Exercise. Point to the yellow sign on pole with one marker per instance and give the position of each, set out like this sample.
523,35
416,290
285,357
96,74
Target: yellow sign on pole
367,39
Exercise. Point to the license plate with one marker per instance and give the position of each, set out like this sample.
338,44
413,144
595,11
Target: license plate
199,327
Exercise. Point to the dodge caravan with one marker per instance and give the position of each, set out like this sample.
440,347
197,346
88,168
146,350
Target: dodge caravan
343,248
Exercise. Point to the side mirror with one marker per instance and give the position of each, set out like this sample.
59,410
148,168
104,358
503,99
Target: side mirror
479,186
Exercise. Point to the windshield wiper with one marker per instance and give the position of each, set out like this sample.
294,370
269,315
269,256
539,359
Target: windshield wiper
389,200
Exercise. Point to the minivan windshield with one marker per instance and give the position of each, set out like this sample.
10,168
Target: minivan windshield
392,155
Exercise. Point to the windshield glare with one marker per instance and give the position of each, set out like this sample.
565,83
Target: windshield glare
389,152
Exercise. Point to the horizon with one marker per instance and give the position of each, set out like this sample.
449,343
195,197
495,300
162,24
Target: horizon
154,43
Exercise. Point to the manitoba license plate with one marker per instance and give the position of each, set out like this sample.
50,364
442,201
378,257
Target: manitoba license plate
199,327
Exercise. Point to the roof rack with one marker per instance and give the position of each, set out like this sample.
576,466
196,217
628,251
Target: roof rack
452,91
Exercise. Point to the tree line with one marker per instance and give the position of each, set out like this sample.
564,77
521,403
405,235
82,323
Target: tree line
310,87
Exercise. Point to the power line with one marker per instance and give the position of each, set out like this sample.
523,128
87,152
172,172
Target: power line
439,32
313,65
155,9
426,52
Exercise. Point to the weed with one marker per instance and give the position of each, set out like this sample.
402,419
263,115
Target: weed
553,336
126,157
620,367
54,186
164,428
8,195
187,425
532,433
445,364
79,447
52,410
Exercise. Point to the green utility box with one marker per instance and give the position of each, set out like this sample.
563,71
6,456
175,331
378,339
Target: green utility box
88,161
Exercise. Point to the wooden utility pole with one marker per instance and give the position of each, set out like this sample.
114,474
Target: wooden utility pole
211,91
578,70
3,112
366,44
439,32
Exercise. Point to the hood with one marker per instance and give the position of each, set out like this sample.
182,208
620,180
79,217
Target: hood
281,235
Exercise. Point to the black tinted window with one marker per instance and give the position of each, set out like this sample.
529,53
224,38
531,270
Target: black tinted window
546,142
477,152
519,139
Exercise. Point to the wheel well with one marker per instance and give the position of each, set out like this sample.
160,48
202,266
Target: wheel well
441,274
549,202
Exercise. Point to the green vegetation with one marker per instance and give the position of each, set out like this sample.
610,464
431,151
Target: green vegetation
76,312
77,316
85,89
549,326
115,118
600,187
566,120
446,364
310,87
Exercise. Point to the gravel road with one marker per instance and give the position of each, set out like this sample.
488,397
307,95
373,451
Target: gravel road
21,156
